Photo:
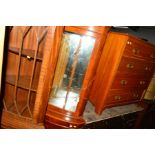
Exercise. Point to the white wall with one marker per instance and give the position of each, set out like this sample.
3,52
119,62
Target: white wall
143,32
2,35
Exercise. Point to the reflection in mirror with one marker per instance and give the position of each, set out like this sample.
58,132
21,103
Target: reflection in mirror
75,52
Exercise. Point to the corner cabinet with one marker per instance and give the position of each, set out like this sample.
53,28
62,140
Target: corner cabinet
124,71
78,53
48,74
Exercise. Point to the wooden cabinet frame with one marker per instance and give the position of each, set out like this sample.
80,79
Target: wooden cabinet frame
99,33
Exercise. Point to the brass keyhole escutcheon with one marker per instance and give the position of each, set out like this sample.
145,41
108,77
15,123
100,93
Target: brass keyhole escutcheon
130,66
136,51
28,57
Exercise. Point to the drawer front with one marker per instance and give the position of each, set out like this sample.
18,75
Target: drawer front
120,96
136,66
135,95
127,83
117,96
139,50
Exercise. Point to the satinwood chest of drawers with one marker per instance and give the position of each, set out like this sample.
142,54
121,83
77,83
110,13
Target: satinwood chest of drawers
124,71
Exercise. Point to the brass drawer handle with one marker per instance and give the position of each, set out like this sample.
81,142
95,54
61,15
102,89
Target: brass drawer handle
142,82
129,43
130,66
136,51
124,82
135,95
147,68
117,97
152,55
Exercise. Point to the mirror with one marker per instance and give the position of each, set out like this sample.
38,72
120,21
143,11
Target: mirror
74,56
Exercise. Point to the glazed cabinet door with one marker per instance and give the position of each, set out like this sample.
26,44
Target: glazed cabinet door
28,53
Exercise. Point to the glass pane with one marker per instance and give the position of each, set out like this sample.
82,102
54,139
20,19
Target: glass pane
71,67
